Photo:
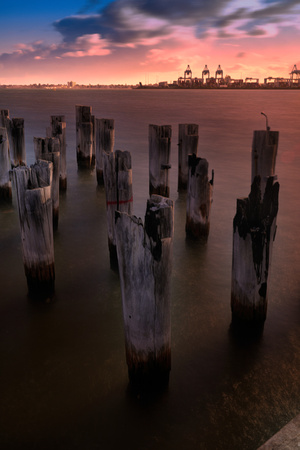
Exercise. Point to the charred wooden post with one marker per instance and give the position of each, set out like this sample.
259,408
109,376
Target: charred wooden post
199,198
33,190
5,183
187,145
105,138
254,229
47,149
84,136
57,129
18,142
159,159
145,265
118,190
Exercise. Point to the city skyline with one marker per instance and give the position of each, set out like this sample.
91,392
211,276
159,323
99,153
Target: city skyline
129,41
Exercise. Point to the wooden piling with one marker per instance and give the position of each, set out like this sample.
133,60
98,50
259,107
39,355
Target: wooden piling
47,149
105,138
159,159
264,152
57,129
18,142
5,122
33,190
5,183
84,136
254,229
199,198
118,190
187,145
145,265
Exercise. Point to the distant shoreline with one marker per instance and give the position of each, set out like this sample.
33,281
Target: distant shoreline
151,87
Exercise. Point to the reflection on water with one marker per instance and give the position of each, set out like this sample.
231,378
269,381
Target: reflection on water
63,371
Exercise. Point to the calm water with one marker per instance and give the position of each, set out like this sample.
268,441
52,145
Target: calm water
63,374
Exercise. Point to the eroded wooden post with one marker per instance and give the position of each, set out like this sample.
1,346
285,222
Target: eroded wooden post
5,183
187,145
105,138
159,159
47,149
35,215
18,142
57,129
145,265
118,190
254,229
84,136
199,198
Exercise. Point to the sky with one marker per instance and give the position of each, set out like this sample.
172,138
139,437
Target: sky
132,41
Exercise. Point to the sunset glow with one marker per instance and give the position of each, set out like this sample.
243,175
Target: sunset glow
129,41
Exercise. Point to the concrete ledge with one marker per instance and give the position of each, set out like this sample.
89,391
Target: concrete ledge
288,438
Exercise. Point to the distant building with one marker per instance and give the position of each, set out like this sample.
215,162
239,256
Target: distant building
71,84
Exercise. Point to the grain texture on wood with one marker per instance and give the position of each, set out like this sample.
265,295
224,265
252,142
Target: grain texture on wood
118,190
199,198
33,193
145,265
105,138
159,159
187,145
5,183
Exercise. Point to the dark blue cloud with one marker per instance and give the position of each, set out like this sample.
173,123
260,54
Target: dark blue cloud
113,19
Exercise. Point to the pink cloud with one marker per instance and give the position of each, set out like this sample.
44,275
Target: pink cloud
89,45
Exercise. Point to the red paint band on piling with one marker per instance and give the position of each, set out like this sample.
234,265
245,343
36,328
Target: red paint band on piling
120,202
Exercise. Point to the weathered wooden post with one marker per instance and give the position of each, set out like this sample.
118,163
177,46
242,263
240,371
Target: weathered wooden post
145,265
105,138
187,145
84,136
18,141
57,129
199,198
264,152
47,149
254,228
93,120
5,122
5,183
159,159
118,190
35,215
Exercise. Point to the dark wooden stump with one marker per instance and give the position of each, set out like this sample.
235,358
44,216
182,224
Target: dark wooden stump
47,149
5,183
145,264
35,216
254,228
118,190
159,159
85,137
187,145
57,130
105,138
199,199
18,142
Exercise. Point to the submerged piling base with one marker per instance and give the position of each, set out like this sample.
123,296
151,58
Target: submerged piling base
6,193
149,372
40,282
197,231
